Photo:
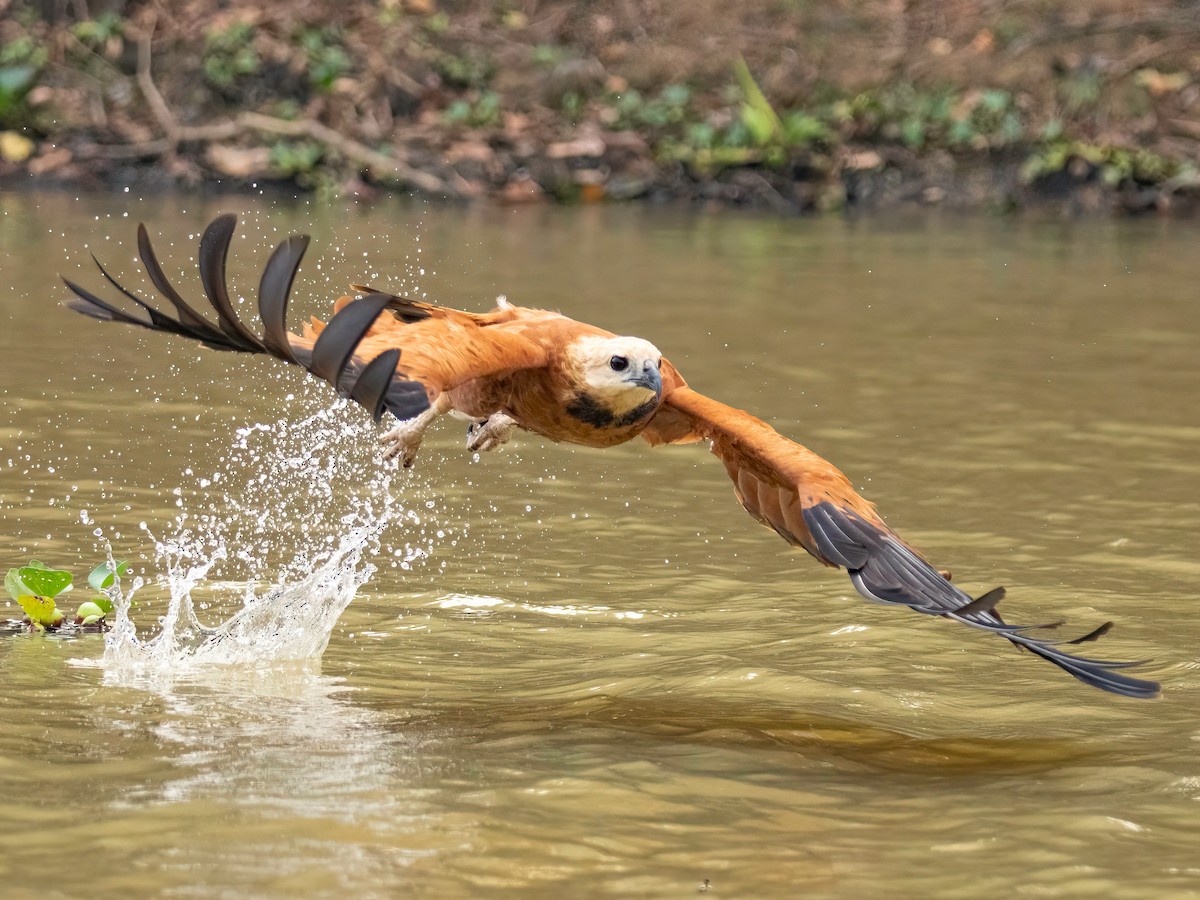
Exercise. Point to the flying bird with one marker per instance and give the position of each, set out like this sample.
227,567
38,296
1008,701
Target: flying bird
540,371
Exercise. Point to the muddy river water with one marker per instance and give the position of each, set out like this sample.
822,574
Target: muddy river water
582,673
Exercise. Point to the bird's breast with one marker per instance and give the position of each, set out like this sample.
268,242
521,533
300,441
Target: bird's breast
578,418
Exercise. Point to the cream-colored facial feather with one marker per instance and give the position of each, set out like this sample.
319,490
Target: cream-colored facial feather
591,360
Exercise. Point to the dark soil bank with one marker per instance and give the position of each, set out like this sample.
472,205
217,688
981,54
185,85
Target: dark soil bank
1090,106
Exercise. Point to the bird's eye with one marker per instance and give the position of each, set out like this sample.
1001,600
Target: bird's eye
618,363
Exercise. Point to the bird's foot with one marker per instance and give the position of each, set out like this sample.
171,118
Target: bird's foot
403,441
490,433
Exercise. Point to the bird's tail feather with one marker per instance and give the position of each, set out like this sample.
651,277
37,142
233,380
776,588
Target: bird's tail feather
372,383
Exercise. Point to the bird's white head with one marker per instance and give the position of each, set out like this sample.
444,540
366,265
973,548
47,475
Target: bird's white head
620,374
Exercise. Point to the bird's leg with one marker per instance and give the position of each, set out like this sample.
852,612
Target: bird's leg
491,432
405,439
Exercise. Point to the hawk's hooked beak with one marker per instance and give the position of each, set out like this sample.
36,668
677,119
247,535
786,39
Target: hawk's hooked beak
650,378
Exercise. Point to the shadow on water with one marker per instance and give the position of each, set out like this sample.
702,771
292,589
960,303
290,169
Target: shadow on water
813,737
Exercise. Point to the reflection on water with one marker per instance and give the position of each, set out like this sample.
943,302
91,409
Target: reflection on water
581,673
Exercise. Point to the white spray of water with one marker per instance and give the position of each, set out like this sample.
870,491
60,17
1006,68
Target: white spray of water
293,513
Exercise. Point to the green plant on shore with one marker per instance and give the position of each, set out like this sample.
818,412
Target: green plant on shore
921,118
21,63
471,69
437,23
97,32
484,111
669,107
229,54
35,587
768,130
296,159
1114,166
758,135
547,56
327,58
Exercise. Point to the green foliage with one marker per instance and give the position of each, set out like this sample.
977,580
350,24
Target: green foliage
437,23
759,134
572,104
670,106
91,612
24,51
327,58
21,62
34,587
466,70
1114,166
295,158
230,54
39,579
99,31
939,117
547,56
482,112
761,121
765,130
42,612
1080,89
104,576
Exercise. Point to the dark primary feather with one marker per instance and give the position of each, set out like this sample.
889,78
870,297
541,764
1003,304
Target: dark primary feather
884,569
214,249
274,291
371,383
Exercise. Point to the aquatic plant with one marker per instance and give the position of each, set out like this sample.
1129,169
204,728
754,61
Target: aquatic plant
35,587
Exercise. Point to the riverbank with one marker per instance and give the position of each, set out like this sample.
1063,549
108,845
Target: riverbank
1089,108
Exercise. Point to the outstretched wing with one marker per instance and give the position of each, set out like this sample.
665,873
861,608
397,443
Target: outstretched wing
368,350
811,504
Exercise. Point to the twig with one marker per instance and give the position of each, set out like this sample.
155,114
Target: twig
145,80
1147,54
378,165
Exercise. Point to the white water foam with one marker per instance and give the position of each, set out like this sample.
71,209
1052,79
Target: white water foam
294,512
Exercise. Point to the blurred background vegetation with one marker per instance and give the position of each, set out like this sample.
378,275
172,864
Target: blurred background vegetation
794,105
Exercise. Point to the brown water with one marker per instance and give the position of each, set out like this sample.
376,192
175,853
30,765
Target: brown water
596,676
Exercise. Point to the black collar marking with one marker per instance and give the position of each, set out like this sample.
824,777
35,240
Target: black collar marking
585,408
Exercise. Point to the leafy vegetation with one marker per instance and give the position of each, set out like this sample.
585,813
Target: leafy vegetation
481,111
327,58
99,31
1102,97
35,588
21,62
229,54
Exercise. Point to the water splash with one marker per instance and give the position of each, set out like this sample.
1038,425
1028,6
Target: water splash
288,521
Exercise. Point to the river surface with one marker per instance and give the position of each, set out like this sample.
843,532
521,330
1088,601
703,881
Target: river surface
581,673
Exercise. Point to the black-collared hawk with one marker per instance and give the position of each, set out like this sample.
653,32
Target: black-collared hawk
540,371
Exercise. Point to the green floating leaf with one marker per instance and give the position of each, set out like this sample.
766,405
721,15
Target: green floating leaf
44,582
101,578
106,605
41,610
13,584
